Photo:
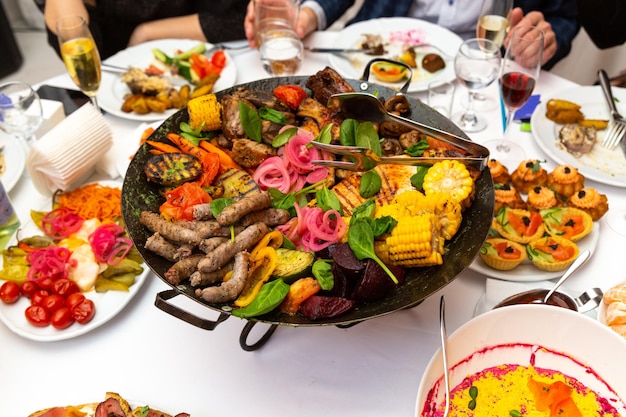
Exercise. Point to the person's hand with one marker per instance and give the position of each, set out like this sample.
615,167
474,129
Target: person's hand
534,19
307,23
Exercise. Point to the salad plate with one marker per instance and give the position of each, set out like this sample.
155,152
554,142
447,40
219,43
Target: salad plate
112,89
13,159
397,33
601,164
107,304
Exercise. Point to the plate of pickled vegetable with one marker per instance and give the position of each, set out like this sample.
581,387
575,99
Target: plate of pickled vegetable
74,265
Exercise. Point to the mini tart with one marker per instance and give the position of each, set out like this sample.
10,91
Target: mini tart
591,201
521,226
567,222
541,197
552,253
499,172
529,174
502,254
506,195
565,180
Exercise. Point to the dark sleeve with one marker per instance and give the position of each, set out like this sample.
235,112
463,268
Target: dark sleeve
563,16
224,22
604,21
334,9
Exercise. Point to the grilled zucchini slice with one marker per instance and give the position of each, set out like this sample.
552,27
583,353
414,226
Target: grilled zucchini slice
172,169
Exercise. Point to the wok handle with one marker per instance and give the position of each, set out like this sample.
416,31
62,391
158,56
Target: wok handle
245,333
161,303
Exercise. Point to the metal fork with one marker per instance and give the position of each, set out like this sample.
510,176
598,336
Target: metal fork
227,46
617,128
363,159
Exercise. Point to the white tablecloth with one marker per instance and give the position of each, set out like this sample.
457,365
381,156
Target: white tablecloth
370,369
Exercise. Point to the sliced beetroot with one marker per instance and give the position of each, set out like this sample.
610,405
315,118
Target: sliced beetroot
375,283
348,262
322,307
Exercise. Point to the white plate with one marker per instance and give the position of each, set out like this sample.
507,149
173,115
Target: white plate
14,155
352,65
125,149
526,271
107,304
601,164
112,89
581,348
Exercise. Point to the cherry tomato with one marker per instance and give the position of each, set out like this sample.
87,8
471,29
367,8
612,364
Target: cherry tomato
10,292
37,316
38,296
84,311
46,284
74,299
62,318
64,287
53,302
28,288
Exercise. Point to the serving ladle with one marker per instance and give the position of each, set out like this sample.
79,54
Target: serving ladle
575,266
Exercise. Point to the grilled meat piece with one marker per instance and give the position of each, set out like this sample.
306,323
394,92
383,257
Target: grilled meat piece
398,105
327,82
577,139
249,154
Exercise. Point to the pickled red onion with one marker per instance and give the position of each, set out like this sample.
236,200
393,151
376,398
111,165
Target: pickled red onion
61,223
272,173
49,262
314,229
108,245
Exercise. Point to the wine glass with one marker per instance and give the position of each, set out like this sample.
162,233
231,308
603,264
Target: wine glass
518,75
80,55
476,65
493,24
21,112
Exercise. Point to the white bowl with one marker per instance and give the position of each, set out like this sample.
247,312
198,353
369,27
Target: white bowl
581,342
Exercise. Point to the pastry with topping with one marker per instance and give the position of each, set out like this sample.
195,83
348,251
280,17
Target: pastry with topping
566,180
552,253
590,200
502,254
521,226
528,175
541,197
499,172
507,196
568,222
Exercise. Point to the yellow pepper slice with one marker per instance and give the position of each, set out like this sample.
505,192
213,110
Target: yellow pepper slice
273,239
265,262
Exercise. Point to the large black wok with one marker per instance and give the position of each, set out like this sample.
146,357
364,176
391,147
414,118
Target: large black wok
138,195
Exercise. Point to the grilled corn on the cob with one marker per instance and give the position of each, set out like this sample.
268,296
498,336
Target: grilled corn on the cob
451,177
205,111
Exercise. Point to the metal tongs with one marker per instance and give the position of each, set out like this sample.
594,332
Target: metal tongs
365,106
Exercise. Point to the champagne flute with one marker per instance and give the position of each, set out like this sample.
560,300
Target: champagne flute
476,65
518,76
80,55
493,24
21,112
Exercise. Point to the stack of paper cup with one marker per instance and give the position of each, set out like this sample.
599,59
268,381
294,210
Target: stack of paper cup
69,151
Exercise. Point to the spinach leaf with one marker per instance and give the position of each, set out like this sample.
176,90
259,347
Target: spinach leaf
272,115
361,241
191,138
325,134
322,271
367,137
281,200
186,128
287,243
284,136
327,200
418,148
219,204
366,209
384,224
370,184
417,179
270,297
347,132
250,121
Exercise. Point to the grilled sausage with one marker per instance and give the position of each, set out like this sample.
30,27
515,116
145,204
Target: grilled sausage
230,289
201,279
270,216
170,231
221,255
231,214
182,269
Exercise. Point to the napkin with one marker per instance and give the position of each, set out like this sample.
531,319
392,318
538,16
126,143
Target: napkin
69,152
